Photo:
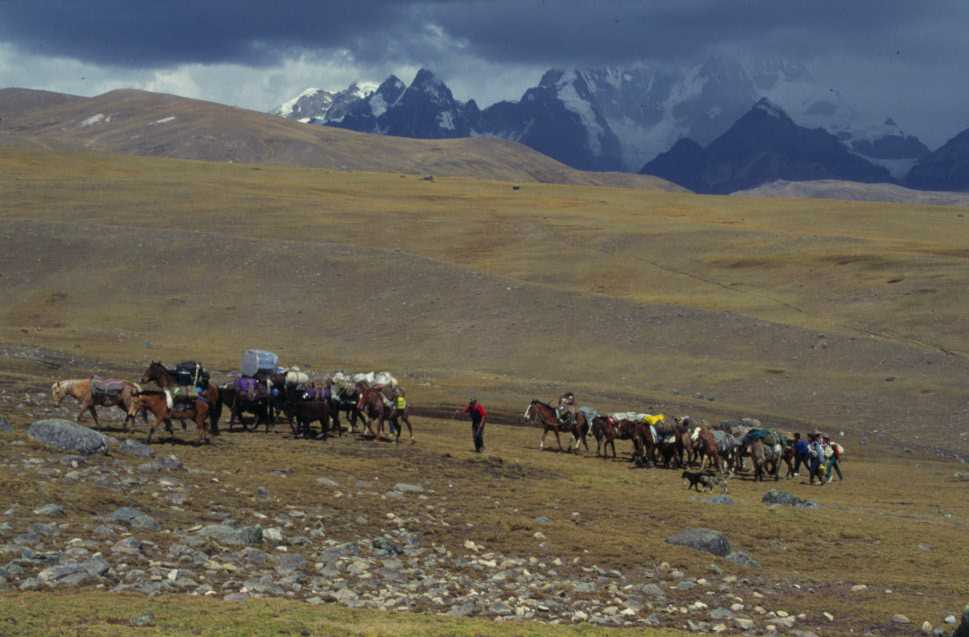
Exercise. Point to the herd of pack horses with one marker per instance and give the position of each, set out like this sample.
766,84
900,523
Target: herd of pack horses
187,393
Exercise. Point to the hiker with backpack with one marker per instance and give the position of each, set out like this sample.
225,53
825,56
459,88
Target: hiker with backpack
816,455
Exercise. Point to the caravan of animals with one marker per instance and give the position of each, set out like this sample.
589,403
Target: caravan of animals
265,391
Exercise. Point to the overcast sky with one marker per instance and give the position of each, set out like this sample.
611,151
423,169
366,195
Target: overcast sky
905,58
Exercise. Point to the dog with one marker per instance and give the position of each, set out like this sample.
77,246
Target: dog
707,480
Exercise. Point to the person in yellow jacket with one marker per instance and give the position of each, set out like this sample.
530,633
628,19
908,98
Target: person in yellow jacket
400,413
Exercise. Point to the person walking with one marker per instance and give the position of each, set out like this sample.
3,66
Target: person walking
801,455
479,416
834,461
816,452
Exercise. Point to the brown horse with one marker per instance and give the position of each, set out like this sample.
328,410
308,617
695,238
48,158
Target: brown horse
372,406
706,448
607,430
165,378
98,392
541,414
163,408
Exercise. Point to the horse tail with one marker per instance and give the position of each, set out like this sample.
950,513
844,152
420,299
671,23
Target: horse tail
528,411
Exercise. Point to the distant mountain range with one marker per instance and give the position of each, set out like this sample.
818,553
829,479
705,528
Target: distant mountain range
615,118
764,145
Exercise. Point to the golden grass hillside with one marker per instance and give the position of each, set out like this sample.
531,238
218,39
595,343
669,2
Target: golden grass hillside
154,124
842,315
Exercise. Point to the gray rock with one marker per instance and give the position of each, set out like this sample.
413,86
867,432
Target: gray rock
462,610
50,510
225,534
720,499
326,482
73,573
776,496
742,558
404,487
262,492
543,519
134,448
5,425
702,540
653,590
68,437
290,562
135,519
129,546
721,613
898,618
144,619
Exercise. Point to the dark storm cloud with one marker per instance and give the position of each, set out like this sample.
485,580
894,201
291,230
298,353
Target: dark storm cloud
159,34
152,34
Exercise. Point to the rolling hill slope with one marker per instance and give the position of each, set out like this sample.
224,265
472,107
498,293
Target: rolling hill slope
152,124
845,314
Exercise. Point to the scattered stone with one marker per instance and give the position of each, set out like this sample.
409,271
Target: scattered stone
742,558
403,487
272,535
961,476
743,623
858,588
926,628
68,437
898,618
135,519
132,447
828,616
225,534
327,482
142,620
775,496
50,510
262,492
721,499
702,540
5,425
543,519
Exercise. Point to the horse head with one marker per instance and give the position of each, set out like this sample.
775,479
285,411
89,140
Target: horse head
152,373
58,391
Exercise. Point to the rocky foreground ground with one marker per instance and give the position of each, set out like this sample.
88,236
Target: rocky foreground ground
153,524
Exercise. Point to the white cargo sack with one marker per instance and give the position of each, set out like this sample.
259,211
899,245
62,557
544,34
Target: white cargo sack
256,359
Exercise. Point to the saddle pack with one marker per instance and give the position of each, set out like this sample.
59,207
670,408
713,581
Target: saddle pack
106,390
191,373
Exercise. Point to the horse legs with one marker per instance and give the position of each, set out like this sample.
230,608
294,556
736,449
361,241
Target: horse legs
558,439
541,441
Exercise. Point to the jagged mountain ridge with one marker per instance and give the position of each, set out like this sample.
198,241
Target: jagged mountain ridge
764,145
618,118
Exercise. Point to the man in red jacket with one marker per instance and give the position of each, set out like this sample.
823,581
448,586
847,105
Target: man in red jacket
478,417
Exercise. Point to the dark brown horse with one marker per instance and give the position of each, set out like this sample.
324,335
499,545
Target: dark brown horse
541,414
163,408
607,430
165,378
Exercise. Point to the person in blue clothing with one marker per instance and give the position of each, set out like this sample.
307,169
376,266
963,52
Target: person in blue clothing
801,455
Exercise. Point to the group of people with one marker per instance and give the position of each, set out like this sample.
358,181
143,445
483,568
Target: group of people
819,455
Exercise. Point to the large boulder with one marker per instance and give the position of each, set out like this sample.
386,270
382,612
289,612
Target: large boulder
66,436
702,540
